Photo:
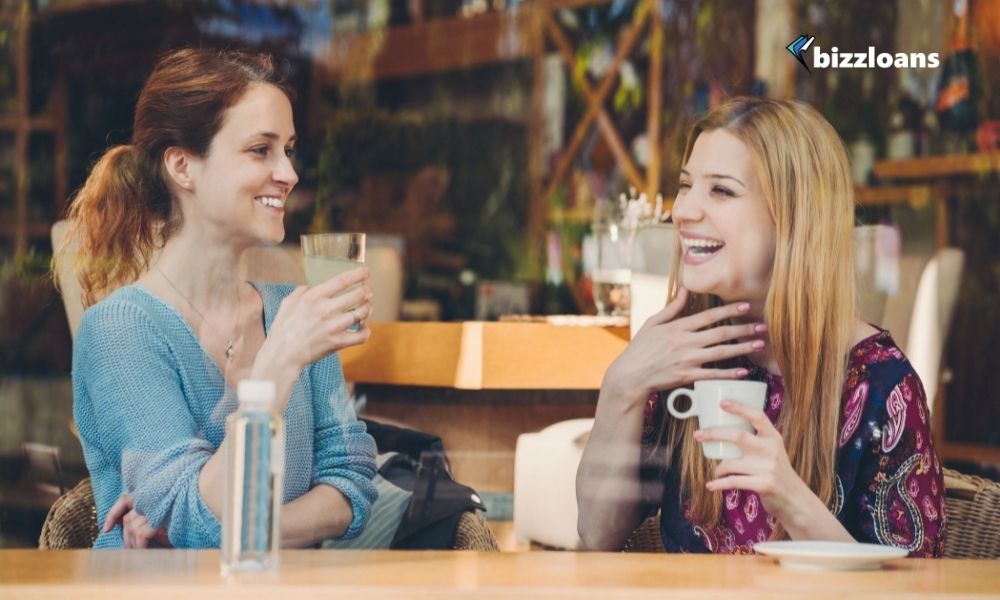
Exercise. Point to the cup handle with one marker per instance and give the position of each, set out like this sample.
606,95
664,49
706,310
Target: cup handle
675,394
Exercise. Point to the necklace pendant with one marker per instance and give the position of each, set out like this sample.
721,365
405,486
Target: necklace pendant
230,351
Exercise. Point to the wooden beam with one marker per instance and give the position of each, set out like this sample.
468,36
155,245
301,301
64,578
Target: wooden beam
655,101
916,196
942,224
790,65
560,4
625,46
974,453
538,211
34,230
21,162
607,127
431,46
34,123
60,118
929,167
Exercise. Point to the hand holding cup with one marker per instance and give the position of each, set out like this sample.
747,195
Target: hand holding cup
706,404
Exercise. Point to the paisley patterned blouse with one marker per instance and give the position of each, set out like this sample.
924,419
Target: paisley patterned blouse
889,483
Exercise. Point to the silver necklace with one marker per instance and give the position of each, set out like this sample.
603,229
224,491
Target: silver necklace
230,348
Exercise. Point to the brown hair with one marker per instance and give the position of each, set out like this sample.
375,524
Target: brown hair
125,209
805,178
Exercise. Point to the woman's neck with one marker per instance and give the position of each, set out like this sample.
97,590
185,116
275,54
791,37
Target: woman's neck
206,273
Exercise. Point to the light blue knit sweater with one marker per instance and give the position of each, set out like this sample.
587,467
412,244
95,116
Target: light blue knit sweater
151,408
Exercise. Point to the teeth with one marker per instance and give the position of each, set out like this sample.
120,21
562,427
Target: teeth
272,201
695,243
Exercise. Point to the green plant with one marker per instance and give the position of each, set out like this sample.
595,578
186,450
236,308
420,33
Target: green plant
26,265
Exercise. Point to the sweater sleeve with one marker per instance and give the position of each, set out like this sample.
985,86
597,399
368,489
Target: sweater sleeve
345,452
142,423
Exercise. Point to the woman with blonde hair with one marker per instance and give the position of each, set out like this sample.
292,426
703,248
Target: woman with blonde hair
171,327
763,290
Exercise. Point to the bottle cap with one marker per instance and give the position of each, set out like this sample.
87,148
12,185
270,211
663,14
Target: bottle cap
256,393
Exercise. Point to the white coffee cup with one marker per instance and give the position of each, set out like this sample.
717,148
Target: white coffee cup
705,399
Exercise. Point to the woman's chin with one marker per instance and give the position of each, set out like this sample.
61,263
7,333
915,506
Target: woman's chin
698,287
272,236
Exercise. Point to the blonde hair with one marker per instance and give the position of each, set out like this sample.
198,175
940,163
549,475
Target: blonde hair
804,176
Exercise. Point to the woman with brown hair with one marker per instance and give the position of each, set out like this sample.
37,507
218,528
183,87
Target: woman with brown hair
763,290
164,341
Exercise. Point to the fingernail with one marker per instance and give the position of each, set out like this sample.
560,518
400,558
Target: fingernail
725,403
760,328
743,307
758,344
742,372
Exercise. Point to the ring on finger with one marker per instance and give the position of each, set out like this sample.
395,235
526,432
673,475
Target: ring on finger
357,319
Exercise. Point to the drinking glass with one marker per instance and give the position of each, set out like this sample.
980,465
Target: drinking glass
612,270
327,255
652,254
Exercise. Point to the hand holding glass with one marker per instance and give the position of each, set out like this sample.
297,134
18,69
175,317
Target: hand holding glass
326,255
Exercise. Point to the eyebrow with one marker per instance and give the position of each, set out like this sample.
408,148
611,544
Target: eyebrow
272,136
716,176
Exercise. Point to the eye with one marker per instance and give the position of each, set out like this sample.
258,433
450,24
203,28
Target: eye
684,185
721,190
260,150
289,152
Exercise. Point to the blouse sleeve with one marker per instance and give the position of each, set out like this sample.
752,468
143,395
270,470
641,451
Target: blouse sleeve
895,492
345,453
125,381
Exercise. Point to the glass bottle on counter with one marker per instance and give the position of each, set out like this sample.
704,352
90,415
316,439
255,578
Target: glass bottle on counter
958,90
864,149
255,465
555,297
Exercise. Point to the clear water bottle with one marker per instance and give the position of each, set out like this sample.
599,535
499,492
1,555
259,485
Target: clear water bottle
255,461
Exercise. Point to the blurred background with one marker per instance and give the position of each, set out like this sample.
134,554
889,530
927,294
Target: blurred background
482,139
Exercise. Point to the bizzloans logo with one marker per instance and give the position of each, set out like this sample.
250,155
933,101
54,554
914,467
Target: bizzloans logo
872,59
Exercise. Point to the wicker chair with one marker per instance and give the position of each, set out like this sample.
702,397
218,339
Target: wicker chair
72,520
474,533
972,509
72,523
646,537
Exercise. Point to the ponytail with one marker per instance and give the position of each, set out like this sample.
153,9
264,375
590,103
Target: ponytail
117,217
124,211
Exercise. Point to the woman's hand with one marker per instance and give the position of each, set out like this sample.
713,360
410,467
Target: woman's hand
764,467
669,352
136,531
315,322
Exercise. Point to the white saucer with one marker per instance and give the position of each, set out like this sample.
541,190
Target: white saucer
830,556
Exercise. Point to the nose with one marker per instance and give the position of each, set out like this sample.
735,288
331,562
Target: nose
687,207
284,172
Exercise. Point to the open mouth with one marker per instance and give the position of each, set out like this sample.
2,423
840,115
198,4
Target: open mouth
701,248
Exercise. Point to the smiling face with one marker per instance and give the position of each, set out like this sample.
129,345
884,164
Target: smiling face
727,234
241,184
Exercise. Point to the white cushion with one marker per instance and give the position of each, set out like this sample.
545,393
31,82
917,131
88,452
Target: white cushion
545,465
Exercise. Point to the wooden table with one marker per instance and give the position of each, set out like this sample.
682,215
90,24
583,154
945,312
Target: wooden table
191,575
479,385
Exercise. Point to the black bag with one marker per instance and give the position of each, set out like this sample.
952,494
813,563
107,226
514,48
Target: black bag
421,467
